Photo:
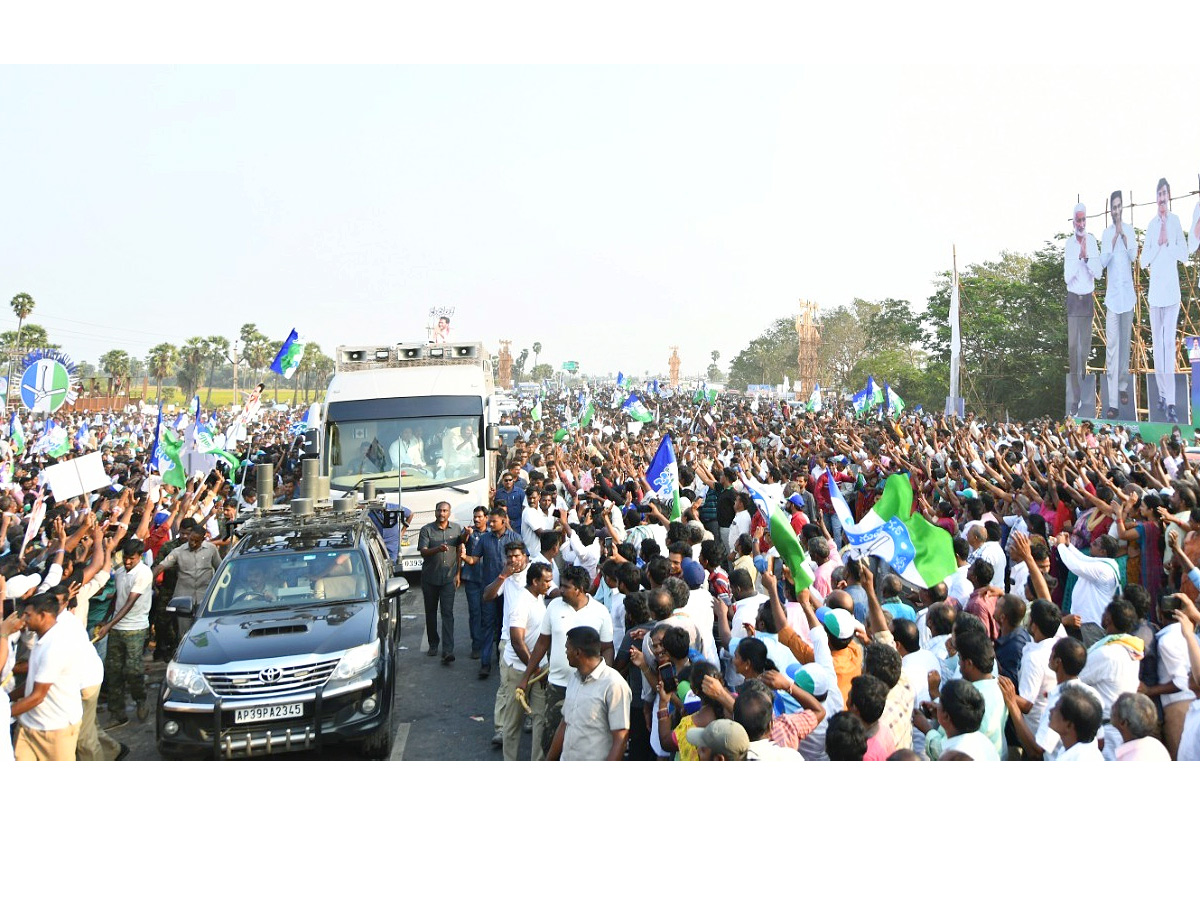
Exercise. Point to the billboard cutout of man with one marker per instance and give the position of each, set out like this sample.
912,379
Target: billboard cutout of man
1164,247
1118,253
1081,268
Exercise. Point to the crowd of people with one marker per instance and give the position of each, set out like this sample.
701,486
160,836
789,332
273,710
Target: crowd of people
86,579
1065,632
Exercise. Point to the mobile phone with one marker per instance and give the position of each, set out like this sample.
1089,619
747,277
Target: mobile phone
666,674
608,544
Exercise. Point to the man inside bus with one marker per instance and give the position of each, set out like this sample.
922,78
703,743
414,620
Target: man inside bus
407,449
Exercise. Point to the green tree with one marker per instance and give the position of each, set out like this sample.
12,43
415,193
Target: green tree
767,357
537,349
32,337
192,359
162,361
518,367
1014,334
845,342
540,372
217,348
257,350
116,363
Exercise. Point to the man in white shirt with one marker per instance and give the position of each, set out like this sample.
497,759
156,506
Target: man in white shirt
124,667
1075,718
1162,248
51,710
1098,580
988,550
524,608
534,522
1173,668
573,608
1113,665
1118,255
741,520
1036,679
1081,268
595,714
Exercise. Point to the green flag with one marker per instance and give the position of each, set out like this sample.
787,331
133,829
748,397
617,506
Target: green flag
588,411
171,447
560,435
536,413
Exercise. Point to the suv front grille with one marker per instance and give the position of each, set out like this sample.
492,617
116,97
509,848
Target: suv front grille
270,681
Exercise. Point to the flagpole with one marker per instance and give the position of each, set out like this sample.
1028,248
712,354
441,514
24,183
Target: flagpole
955,400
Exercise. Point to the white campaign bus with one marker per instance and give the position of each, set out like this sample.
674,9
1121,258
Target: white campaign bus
427,411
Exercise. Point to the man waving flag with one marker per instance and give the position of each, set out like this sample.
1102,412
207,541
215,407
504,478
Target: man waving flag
663,477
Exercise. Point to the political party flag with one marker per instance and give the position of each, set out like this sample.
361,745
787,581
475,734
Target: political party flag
782,536
560,435
206,443
16,435
588,412
171,465
156,460
621,379
637,410
894,404
81,433
36,516
814,400
287,360
860,401
60,441
663,477
874,393
536,413
916,549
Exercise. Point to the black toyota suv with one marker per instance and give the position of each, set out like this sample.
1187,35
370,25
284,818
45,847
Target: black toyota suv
292,647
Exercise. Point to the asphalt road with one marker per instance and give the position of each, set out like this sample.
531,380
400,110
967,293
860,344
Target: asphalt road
442,712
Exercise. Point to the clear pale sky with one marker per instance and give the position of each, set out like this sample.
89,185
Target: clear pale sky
607,212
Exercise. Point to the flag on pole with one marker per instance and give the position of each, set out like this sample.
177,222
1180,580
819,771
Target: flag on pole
814,401
955,342
860,401
663,477
206,443
917,550
782,537
893,403
637,410
171,465
156,459
16,435
287,360
59,440
621,379
874,393
536,412
588,412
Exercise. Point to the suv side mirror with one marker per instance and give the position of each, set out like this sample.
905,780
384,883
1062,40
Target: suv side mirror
491,437
181,606
396,585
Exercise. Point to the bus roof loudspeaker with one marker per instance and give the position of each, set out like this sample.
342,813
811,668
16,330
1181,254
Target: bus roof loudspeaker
412,352
466,351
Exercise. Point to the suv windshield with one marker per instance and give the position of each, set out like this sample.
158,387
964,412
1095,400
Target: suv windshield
433,451
259,582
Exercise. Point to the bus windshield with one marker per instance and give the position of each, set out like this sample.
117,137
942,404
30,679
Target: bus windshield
432,451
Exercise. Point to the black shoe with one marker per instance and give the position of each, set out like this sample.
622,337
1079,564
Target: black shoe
432,651
1111,413
447,659
1171,416
485,672
124,753
497,739
474,654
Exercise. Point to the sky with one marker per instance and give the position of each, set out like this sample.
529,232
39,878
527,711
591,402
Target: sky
607,212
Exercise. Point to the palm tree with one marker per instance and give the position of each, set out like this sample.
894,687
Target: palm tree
537,348
217,347
716,354
117,364
162,361
192,358
22,307
256,350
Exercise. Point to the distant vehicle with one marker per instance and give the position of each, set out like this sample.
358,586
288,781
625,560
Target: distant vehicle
509,434
292,647
418,422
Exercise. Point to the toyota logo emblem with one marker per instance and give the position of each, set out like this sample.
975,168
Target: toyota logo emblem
270,676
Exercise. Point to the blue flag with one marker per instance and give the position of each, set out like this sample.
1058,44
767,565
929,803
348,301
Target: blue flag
621,379
287,360
156,457
663,477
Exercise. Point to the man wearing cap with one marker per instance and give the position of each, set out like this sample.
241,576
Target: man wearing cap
1081,268
1118,255
1163,246
721,741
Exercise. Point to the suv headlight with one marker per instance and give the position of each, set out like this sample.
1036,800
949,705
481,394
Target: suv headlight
186,678
356,660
